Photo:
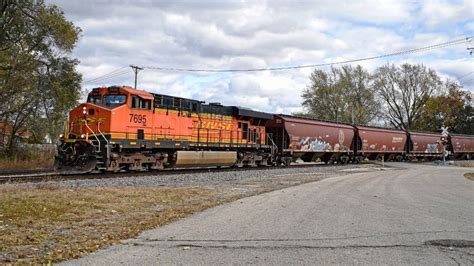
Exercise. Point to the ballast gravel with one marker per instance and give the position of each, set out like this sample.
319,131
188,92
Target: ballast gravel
232,182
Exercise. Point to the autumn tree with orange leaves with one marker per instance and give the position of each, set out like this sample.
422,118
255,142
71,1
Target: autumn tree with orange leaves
453,108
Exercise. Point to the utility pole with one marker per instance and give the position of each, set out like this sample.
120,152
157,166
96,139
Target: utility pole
135,70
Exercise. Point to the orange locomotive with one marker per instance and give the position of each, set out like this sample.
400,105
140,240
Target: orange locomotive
120,128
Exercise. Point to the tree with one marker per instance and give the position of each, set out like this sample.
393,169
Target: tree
465,120
323,99
404,92
359,94
343,95
453,108
38,79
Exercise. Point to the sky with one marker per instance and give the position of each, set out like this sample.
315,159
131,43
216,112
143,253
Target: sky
218,34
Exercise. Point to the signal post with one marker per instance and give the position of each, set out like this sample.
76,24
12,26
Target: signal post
444,140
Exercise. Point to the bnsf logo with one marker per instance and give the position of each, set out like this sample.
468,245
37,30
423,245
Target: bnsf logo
213,125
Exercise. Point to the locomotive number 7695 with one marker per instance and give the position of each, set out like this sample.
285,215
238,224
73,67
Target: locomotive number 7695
136,118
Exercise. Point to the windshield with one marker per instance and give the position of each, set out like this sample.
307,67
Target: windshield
115,99
95,99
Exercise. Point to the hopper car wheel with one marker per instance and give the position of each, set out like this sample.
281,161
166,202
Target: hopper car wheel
286,161
356,160
344,159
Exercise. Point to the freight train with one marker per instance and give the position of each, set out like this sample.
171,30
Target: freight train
123,129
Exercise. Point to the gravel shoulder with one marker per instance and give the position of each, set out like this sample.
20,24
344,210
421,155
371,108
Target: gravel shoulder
229,183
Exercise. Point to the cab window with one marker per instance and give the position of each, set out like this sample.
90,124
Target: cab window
116,99
95,99
140,103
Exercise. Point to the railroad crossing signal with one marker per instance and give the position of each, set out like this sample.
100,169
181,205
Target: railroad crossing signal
444,135
443,140
444,132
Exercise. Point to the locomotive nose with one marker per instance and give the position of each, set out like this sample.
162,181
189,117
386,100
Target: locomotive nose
87,119
89,109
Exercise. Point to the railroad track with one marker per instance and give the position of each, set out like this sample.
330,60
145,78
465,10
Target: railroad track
53,176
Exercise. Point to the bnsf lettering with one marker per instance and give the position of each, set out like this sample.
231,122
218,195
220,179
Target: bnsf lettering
214,125
138,119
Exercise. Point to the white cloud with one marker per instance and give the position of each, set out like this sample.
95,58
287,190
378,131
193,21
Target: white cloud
215,34
439,12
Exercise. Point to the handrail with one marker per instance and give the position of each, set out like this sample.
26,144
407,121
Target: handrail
102,134
274,146
93,133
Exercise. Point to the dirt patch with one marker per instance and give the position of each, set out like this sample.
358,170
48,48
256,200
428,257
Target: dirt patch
51,224
464,163
469,176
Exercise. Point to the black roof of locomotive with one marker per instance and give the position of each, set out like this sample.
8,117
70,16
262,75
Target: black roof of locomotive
215,108
242,111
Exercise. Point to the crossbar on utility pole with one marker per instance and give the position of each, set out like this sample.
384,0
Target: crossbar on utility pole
135,70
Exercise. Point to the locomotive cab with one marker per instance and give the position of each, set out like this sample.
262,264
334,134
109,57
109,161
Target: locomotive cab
109,98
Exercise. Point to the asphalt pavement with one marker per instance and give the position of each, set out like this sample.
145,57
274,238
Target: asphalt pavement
410,214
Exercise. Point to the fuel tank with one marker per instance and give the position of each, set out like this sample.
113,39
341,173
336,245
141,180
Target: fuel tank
205,158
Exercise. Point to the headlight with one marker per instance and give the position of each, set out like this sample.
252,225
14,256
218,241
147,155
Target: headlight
84,110
61,136
83,136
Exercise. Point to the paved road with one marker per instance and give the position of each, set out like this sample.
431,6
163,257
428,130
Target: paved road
383,217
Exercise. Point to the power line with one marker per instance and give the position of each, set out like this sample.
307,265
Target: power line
111,77
113,73
415,50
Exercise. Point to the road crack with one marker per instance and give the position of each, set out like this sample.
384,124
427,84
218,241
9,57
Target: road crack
310,239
